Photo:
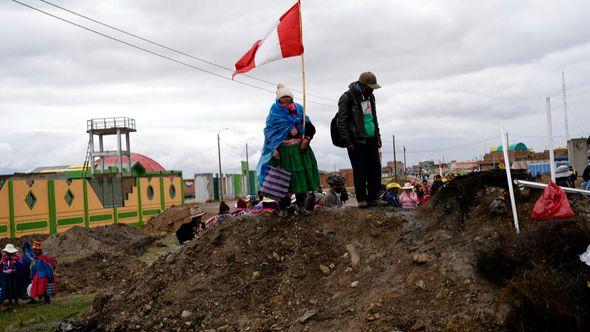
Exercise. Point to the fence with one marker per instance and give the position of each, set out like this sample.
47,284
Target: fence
48,206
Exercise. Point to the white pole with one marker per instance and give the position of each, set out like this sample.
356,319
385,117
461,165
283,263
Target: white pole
509,176
550,138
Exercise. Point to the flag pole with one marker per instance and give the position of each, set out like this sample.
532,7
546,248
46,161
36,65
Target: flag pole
302,67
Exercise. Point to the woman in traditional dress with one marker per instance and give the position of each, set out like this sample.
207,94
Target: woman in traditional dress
11,267
287,137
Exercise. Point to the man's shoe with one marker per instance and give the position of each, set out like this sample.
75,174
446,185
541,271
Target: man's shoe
378,203
283,213
363,205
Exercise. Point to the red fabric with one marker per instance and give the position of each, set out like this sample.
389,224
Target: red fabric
39,286
289,30
291,43
246,62
553,204
48,259
425,199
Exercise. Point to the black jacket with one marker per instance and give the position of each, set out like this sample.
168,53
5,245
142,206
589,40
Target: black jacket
351,124
586,174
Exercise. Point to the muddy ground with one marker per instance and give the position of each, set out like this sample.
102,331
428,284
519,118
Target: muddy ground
449,265
337,270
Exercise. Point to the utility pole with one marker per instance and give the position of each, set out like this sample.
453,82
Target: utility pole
248,167
567,129
394,160
220,177
405,165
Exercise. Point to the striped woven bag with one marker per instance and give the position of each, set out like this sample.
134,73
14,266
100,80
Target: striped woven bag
276,183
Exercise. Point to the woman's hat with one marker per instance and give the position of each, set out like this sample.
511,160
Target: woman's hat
393,185
10,248
37,245
283,91
563,172
407,185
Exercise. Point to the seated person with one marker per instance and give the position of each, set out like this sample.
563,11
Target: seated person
334,195
391,196
436,185
408,198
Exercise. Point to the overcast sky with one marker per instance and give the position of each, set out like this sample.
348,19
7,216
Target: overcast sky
452,72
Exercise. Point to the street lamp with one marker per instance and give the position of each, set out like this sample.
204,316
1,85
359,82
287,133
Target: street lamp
219,179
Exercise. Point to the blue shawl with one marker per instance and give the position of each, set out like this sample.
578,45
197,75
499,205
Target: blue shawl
278,124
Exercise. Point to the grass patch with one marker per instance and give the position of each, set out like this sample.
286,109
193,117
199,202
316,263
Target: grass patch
40,317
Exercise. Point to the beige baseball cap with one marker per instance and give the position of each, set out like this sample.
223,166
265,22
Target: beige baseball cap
369,79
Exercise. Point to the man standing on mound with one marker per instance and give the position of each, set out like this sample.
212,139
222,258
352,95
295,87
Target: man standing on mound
359,130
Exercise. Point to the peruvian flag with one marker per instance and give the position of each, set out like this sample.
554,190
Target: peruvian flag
283,41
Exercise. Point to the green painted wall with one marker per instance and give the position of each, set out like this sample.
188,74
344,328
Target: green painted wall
84,219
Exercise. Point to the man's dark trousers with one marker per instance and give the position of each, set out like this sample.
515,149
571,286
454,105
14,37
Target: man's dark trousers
366,169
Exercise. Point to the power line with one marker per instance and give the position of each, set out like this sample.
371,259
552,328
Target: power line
152,52
173,49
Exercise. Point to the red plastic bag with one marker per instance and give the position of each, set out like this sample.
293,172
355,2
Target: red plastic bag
553,204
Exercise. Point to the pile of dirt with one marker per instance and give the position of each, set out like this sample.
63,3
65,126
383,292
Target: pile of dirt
96,258
168,221
113,239
541,275
475,192
345,269
18,242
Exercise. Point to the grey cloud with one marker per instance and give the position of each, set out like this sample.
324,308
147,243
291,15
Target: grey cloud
452,72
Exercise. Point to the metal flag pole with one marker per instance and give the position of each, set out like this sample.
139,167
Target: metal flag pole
302,67
509,176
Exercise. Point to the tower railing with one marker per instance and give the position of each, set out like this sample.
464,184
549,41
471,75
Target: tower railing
110,123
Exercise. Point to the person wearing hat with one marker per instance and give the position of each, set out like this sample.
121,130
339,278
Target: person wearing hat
358,130
11,267
334,194
42,271
436,185
408,198
562,176
391,196
287,137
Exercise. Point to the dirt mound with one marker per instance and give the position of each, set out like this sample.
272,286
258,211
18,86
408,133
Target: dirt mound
542,276
98,271
168,221
475,191
337,270
113,239
18,242
96,258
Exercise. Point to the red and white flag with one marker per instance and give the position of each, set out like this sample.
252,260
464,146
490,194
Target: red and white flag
283,41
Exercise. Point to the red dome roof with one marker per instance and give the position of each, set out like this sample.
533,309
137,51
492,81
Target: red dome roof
146,162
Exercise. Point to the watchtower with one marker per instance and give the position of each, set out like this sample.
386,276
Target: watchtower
105,127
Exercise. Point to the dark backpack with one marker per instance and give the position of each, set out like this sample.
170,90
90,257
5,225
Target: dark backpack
335,134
